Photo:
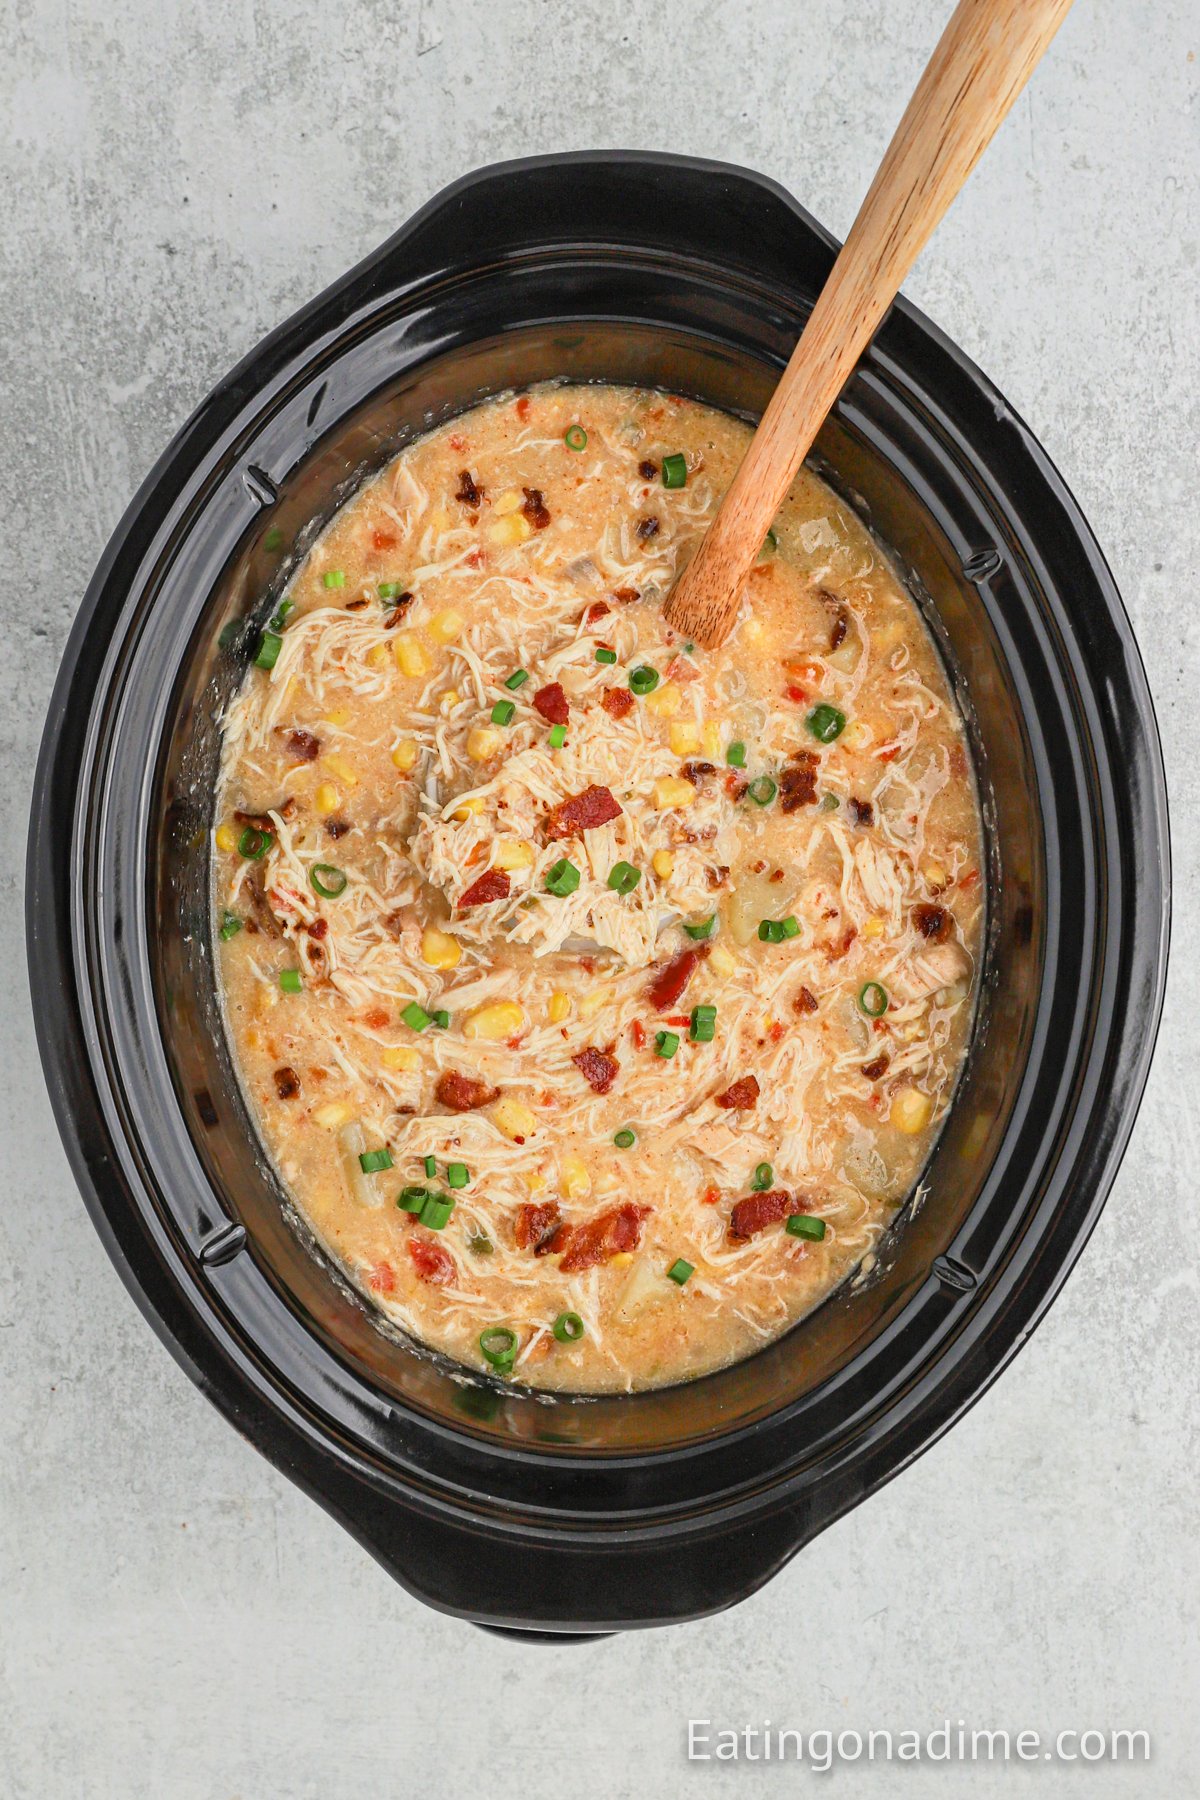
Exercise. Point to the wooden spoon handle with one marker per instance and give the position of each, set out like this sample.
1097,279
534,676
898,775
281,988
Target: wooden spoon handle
985,56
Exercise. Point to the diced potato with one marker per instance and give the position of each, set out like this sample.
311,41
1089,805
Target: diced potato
511,530
911,1110
405,755
684,737
666,700
509,502
331,1115
483,742
326,798
341,767
645,1285
663,864
512,853
439,950
401,1056
712,741
227,837
500,1020
559,1007
352,1141
672,791
574,1178
466,809
446,627
410,655
875,927
514,1119
594,1000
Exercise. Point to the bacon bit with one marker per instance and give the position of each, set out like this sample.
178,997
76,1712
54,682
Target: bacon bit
582,812
433,1261
798,784
303,745
710,1196
264,821
376,1018
616,702
611,1233
317,928
670,981
775,1031
933,922
716,875
805,1002
382,540
862,812
839,628
741,1095
876,1067
536,1225
647,528
597,610
493,884
758,1210
469,492
336,828
535,508
598,1069
463,1093
626,595
840,946
474,559
287,1083
681,670
522,407
777,875
356,605
647,470
696,772
736,786
637,1032
456,442
382,1278
397,609
795,694
551,702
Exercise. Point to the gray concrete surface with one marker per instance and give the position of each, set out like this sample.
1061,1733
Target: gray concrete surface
175,1620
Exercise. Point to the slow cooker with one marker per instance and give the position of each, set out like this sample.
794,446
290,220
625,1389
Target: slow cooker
509,1507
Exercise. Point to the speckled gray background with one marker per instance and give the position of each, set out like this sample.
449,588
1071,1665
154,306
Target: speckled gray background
175,1620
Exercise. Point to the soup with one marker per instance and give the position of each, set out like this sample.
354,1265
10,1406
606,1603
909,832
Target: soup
598,998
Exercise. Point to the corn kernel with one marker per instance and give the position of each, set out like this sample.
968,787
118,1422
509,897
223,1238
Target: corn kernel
466,809
514,1119
574,1178
326,798
401,1056
483,743
512,530
911,1110
410,655
536,1180
502,1019
559,1007
666,700
377,656
226,837
509,502
935,876
512,853
663,864
720,960
331,1115
684,737
593,1001
339,716
446,627
405,755
339,766
622,1259
439,950
448,699
875,928
712,740
857,735
673,791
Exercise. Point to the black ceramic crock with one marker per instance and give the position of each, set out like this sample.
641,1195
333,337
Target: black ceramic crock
502,1506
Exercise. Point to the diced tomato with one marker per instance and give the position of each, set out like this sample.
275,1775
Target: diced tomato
382,1278
432,1261
637,1032
670,981
383,540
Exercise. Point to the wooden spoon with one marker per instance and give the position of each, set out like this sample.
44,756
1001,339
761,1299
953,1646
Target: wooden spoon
986,55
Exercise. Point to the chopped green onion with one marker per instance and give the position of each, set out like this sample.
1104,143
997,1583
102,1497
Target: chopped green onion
679,1271
416,1016
829,803
735,756
562,879
643,680
371,1162
499,1346
435,1213
605,656
290,981
674,470
803,1225
254,844
575,437
872,997
770,542
273,539
412,1199
568,1328
269,646
764,1175
229,634
689,649
334,578
281,612
389,590
431,1166
556,737
457,1175
762,791
625,1139
770,931
440,1018
703,1027
666,1043
702,930
502,712
790,927
230,926
480,1244
328,881
623,877
517,679
826,722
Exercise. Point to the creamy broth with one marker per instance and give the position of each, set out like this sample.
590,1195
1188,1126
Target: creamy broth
598,998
